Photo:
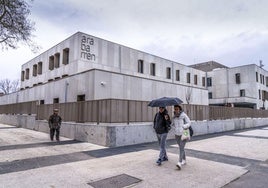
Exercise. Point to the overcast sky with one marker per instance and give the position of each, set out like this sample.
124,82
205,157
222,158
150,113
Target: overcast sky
231,32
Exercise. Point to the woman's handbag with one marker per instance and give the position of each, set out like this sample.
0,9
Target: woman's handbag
185,134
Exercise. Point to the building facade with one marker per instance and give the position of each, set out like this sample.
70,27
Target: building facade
85,67
242,86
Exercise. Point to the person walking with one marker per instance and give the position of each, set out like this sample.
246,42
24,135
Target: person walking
54,123
161,126
180,121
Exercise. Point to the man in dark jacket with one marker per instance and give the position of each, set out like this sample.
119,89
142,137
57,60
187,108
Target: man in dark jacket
162,126
54,123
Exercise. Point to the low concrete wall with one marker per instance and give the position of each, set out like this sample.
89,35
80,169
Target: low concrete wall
112,135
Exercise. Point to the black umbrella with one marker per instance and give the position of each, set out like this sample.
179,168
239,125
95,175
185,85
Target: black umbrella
165,101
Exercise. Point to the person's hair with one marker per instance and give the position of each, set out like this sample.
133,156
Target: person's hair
178,107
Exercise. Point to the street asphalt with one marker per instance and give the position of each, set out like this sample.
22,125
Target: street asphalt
232,159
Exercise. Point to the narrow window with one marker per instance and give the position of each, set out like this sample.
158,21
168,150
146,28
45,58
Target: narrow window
203,81
51,62
27,74
35,70
57,60
168,73
259,94
209,82
210,95
152,69
266,81
237,78
257,76
242,93
22,75
65,58
195,79
140,66
177,75
188,78
39,67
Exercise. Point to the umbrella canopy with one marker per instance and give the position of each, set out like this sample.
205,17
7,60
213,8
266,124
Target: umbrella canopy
165,101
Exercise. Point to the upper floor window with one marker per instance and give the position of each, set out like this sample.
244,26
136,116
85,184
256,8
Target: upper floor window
237,78
210,95
22,75
57,60
51,63
266,81
140,66
177,75
39,67
257,77
152,69
35,70
188,77
209,81
27,74
65,57
204,81
168,73
195,79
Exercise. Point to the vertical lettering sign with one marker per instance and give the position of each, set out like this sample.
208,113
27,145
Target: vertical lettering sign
87,44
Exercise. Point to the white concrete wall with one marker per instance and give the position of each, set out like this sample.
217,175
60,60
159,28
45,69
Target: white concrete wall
113,135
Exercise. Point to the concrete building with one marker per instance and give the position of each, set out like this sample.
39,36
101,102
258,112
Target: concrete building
84,67
242,86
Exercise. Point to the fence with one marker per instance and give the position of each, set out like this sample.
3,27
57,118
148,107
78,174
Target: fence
124,111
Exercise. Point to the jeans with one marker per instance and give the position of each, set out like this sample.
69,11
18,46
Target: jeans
52,132
162,143
181,144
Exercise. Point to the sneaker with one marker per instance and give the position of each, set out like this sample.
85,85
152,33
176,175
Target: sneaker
165,159
159,161
183,162
179,165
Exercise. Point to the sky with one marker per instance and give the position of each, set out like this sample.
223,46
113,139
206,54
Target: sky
231,32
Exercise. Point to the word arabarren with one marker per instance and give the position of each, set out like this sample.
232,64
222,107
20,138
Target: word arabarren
86,44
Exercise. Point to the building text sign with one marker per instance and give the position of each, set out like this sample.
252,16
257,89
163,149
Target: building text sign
87,44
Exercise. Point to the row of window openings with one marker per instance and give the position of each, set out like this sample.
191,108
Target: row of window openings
263,95
57,100
238,80
168,73
54,62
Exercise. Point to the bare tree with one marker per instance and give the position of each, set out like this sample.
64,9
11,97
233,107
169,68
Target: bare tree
15,27
188,95
7,86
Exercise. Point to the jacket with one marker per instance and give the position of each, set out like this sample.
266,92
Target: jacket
161,125
54,121
179,122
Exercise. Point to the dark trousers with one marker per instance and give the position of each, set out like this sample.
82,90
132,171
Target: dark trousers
52,132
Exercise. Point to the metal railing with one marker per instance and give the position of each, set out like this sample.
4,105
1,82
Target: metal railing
124,111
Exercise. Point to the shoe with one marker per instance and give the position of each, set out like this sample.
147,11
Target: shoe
179,165
165,159
159,162
183,162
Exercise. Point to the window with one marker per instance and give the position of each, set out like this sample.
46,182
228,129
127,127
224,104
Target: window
51,63
237,78
65,58
35,70
195,79
209,81
57,60
188,77
55,100
81,98
259,94
42,102
177,75
257,76
203,81
168,73
152,69
210,95
261,78
263,95
22,75
39,67
266,81
140,66
27,74
242,93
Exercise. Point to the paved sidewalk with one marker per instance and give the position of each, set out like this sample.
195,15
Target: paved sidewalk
233,159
